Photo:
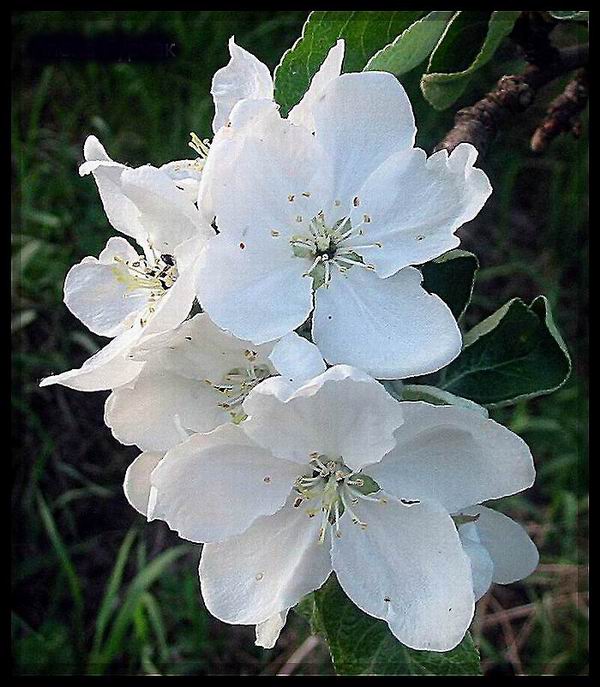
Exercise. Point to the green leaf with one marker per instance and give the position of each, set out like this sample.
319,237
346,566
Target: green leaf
573,15
362,645
470,41
451,277
516,353
431,394
412,46
364,32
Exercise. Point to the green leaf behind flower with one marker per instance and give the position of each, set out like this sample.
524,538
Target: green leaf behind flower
362,645
470,41
451,277
365,34
439,397
412,46
516,353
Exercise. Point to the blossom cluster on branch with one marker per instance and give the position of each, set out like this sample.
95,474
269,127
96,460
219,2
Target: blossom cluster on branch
274,285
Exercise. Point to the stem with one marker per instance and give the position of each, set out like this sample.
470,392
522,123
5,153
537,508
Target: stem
479,123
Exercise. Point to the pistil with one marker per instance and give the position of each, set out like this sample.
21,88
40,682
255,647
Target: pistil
338,490
156,279
238,383
326,246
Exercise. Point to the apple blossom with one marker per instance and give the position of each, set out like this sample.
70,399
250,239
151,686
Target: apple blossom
125,294
326,212
336,475
498,548
196,378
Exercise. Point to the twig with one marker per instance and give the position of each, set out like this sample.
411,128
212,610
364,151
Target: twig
577,599
563,113
525,631
479,123
307,646
512,648
561,568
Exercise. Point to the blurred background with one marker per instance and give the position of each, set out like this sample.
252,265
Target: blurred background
94,587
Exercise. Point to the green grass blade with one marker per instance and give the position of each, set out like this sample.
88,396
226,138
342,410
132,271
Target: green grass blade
109,601
157,623
66,565
113,645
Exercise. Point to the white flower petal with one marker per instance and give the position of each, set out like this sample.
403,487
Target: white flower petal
251,289
342,412
98,294
220,163
513,553
107,369
360,120
268,177
454,456
296,359
167,215
392,328
331,68
213,486
248,579
199,350
186,175
482,566
117,247
94,151
122,213
243,77
415,205
174,306
151,412
137,480
267,632
408,568
187,252
260,114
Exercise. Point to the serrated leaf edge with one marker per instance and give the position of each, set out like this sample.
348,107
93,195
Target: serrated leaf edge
437,77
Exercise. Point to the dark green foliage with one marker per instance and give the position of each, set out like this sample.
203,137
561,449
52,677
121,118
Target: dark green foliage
516,353
471,40
360,645
364,32
452,277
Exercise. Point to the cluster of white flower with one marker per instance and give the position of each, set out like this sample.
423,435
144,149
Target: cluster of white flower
279,450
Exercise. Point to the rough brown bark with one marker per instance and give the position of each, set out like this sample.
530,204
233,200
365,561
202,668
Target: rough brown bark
563,113
479,123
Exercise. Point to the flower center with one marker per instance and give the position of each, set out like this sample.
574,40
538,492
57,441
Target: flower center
238,383
326,246
335,489
154,278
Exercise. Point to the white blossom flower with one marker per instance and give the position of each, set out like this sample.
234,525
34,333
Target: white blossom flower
326,212
336,476
148,204
196,378
499,549
125,294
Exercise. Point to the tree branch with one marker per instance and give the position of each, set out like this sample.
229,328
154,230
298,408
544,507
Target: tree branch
479,123
563,113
